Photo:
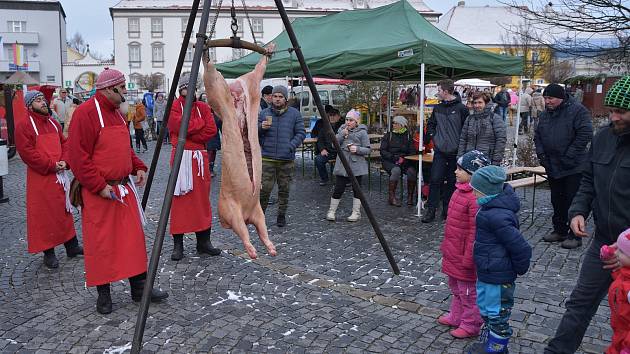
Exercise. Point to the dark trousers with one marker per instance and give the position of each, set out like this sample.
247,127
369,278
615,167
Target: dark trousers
320,163
340,186
524,122
158,126
562,192
212,155
140,139
202,233
442,169
592,285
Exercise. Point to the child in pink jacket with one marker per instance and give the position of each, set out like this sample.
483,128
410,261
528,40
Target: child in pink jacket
457,250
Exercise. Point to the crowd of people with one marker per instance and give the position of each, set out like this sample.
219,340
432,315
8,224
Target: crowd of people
483,251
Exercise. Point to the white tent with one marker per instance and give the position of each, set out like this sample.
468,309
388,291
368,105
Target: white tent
474,83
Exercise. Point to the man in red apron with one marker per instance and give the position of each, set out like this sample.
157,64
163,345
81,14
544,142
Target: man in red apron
103,162
43,149
191,210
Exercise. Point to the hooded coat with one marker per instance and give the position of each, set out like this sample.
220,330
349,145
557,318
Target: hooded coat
359,137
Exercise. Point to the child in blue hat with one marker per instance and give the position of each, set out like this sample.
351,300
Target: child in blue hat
501,254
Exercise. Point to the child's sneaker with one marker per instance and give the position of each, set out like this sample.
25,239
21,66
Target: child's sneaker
445,320
462,333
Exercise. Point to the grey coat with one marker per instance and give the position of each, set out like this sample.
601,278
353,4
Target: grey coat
159,110
484,131
357,136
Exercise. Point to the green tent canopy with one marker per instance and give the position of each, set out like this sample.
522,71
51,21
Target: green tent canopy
386,43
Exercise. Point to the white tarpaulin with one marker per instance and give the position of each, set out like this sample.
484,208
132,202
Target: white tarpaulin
474,82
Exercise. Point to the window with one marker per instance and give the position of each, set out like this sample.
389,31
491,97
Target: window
16,26
237,53
134,27
184,25
535,57
239,22
134,55
338,97
156,28
50,78
323,95
135,79
160,81
257,25
189,53
305,97
157,55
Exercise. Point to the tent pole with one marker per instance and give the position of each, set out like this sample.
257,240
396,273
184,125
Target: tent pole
143,310
169,102
328,130
420,140
518,120
389,104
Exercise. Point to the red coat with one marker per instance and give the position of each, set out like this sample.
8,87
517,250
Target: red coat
619,311
192,212
459,234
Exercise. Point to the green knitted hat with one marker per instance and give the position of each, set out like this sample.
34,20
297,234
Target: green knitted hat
619,94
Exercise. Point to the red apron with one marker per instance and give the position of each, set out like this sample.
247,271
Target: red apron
191,212
48,224
113,238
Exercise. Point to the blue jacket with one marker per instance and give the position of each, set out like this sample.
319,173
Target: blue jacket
501,253
285,135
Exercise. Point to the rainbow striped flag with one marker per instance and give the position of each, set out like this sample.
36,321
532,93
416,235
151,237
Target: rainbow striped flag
18,54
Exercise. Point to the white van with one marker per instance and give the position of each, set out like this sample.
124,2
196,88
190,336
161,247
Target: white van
334,95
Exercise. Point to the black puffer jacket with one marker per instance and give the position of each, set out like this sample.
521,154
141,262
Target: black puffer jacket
605,185
394,146
445,125
561,138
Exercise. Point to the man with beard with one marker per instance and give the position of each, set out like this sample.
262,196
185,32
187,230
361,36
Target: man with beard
280,131
112,218
604,191
42,146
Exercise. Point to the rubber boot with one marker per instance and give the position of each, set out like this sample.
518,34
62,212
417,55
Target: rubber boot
104,300
178,248
392,194
50,259
72,248
496,343
137,286
334,204
356,210
411,191
204,245
429,215
479,347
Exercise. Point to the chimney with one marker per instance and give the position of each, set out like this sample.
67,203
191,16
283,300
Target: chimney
461,3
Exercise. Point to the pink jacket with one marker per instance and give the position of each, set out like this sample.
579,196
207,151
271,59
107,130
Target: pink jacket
459,235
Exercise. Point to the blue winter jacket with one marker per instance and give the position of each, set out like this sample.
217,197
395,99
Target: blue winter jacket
501,253
285,135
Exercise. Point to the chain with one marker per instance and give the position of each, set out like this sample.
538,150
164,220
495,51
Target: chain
234,25
249,21
216,18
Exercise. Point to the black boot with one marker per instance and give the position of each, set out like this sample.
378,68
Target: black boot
104,301
137,287
72,248
50,260
281,220
429,216
444,212
178,247
204,245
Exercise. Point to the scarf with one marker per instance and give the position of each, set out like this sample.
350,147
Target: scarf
281,111
485,199
402,130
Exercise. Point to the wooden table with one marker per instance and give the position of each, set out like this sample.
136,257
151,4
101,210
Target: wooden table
307,144
537,171
428,158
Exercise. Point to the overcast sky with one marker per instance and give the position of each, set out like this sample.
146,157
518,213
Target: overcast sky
96,27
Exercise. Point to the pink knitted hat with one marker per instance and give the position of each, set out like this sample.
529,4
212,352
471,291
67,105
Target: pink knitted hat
356,115
108,78
623,242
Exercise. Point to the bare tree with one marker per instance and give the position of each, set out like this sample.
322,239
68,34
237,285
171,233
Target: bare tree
557,71
576,27
366,94
78,43
151,82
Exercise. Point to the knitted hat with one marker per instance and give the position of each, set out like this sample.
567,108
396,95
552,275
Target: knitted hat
488,180
472,161
267,90
108,78
400,120
554,90
356,115
623,242
280,89
183,82
619,94
30,96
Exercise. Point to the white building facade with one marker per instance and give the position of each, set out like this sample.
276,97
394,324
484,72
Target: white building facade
38,27
148,33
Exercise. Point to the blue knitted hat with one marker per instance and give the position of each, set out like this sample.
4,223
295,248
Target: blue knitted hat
472,161
30,96
488,180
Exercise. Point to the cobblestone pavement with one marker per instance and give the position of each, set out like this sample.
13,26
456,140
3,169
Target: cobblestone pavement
330,289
